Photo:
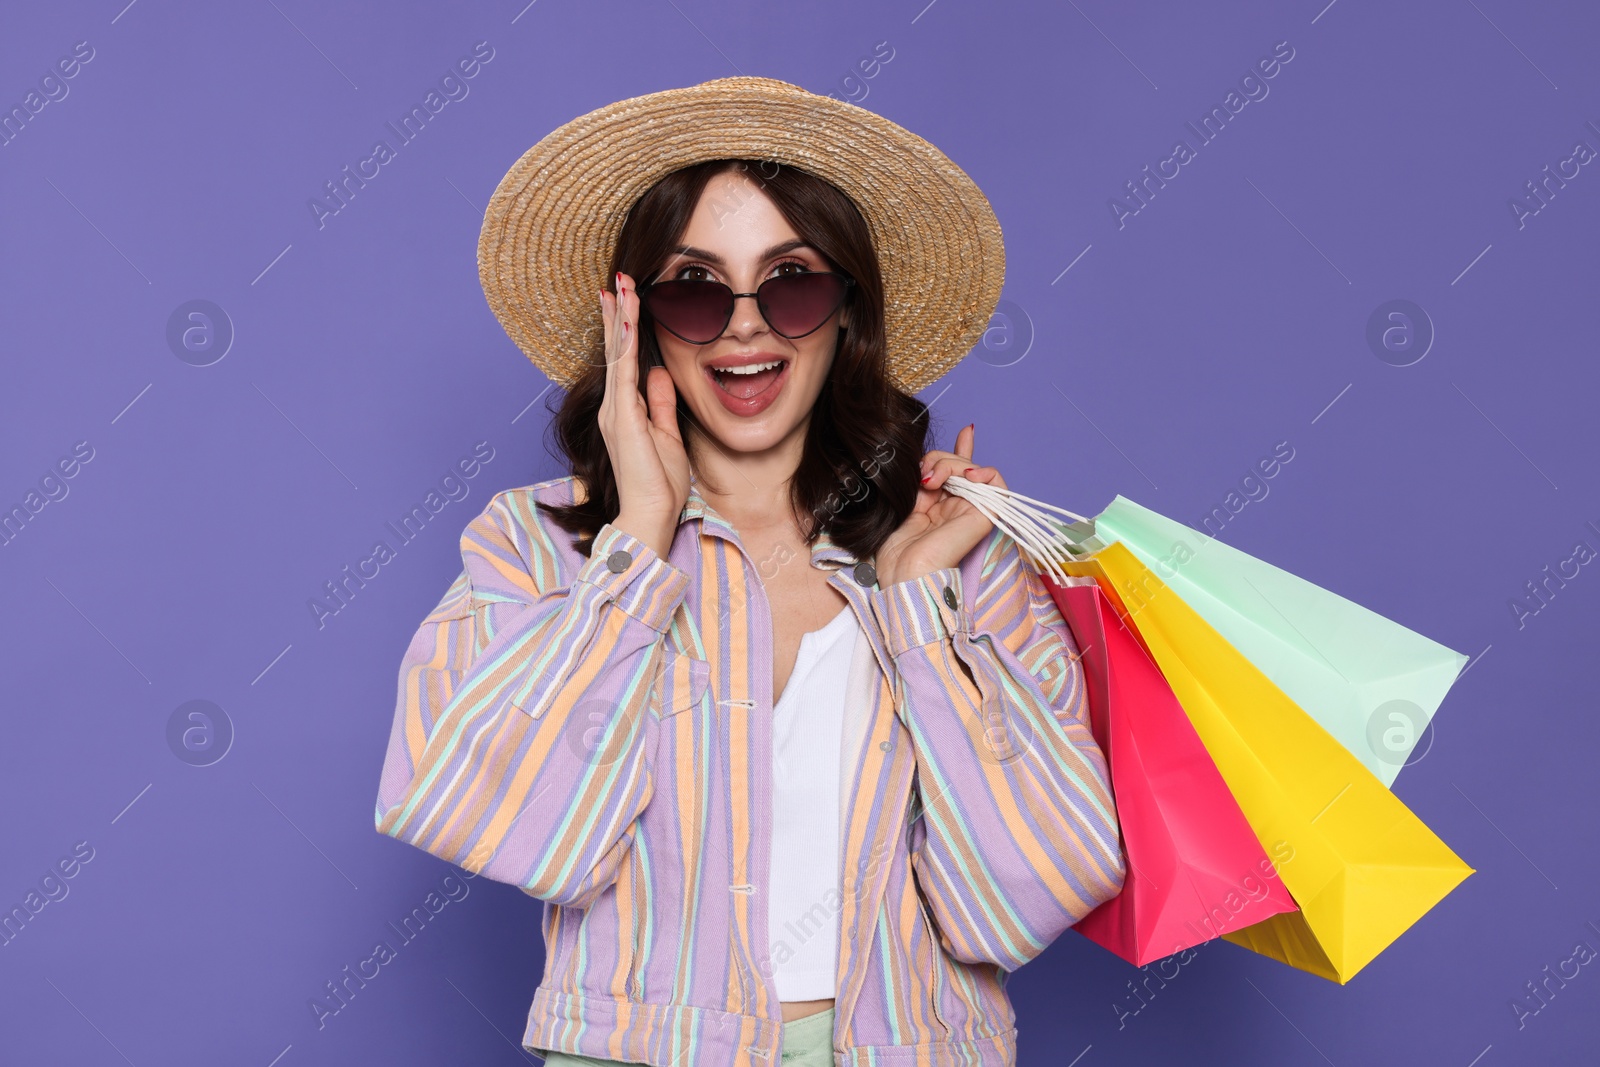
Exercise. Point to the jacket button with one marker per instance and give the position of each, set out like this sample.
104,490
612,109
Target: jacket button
950,597
619,560
866,573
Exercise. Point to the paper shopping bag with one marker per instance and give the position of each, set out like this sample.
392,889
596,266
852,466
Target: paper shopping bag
1359,864
1195,869
1370,682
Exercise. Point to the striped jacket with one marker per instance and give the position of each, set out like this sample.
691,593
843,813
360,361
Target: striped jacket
597,732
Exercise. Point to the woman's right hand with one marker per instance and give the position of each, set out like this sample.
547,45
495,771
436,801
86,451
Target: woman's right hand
647,454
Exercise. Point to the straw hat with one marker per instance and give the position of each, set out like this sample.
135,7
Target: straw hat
552,224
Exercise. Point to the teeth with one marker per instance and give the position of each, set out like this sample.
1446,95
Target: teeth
750,369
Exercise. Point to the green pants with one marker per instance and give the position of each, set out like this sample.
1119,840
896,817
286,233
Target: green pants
807,1042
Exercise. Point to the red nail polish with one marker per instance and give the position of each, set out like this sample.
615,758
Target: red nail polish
925,478
969,470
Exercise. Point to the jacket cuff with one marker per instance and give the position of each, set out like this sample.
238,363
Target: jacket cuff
632,575
919,611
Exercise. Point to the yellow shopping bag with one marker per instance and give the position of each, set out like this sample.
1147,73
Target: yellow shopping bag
1361,866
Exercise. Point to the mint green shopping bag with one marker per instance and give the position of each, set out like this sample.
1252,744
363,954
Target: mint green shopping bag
1370,682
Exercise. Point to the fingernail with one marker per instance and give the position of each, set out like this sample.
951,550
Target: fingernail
624,329
969,470
925,478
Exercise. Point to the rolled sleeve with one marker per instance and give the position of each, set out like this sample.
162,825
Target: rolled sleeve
917,611
634,576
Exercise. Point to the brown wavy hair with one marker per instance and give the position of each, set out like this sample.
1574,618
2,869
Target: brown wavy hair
859,469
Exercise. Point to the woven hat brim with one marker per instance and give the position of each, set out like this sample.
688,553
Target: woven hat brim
552,223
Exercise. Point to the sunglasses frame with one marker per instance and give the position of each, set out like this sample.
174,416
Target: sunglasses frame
844,295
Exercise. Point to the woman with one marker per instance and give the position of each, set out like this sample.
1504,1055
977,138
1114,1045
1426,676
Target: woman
778,811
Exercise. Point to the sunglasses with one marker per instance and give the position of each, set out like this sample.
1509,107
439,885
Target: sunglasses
794,305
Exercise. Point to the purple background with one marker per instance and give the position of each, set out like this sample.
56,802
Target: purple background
1228,315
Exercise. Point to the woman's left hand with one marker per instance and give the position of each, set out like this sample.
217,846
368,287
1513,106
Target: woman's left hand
943,527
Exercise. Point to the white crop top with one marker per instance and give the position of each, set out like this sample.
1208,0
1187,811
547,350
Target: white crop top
816,726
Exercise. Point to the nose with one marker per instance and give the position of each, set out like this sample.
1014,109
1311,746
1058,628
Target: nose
747,320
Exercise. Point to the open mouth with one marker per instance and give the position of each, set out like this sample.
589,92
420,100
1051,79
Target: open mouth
750,381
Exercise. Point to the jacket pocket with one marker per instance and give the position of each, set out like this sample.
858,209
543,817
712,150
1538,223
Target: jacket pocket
681,683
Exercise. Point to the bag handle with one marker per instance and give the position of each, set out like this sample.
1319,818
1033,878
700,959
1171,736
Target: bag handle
1042,538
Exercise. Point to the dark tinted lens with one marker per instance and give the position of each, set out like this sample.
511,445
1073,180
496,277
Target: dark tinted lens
694,310
796,304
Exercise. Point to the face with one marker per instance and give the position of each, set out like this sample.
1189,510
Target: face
737,236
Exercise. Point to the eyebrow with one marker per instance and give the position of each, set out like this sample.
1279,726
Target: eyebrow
711,257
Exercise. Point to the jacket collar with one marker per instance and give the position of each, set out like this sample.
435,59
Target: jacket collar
823,552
